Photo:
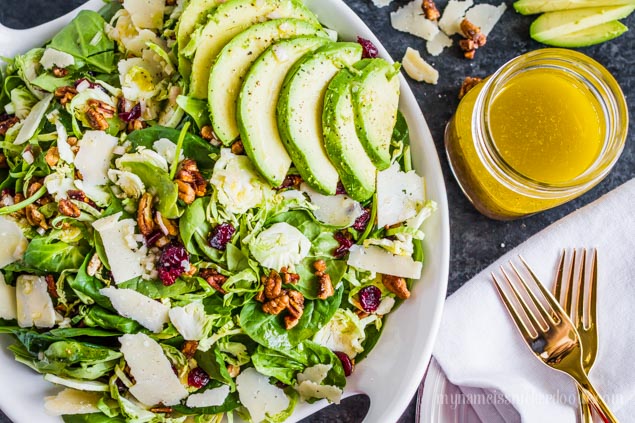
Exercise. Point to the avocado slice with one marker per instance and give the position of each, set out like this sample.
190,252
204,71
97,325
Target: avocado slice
256,110
234,61
556,24
193,14
227,21
531,7
375,103
589,36
300,112
343,146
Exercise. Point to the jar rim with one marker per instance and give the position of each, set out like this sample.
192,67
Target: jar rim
601,83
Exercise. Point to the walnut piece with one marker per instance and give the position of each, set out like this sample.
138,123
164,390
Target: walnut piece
189,348
52,156
144,214
468,83
65,94
277,305
214,279
430,10
396,285
7,122
273,285
67,208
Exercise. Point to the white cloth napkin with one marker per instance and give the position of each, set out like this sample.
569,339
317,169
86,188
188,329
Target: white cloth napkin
479,347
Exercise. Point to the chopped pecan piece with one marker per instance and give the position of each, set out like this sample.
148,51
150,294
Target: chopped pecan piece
273,285
396,285
214,279
3,161
52,156
325,289
33,188
34,217
289,277
59,72
189,348
233,370
68,208
51,286
186,192
144,214
238,147
135,125
468,83
65,94
72,141
207,133
296,309
277,305
319,266
430,10
97,112
474,38
6,122
190,181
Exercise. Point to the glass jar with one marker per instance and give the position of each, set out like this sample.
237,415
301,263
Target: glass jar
507,178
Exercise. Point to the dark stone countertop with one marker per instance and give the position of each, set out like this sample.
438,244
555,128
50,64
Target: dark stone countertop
476,240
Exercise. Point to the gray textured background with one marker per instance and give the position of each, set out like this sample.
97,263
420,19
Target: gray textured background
476,240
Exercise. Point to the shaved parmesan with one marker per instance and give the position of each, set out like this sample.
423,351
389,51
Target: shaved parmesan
436,45
210,398
315,373
417,68
125,262
72,401
93,159
385,306
155,381
33,303
335,210
14,242
401,195
410,19
63,146
382,3
146,14
376,259
55,58
7,300
261,398
129,303
32,121
485,16
308,389
453,14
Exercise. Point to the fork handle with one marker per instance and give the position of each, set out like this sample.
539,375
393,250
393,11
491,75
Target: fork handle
595,399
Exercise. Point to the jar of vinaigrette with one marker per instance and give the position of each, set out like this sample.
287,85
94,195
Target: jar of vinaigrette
546,127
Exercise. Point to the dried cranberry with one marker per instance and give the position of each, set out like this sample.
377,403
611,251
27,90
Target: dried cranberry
340,188
173,262
345,241
362,221
347,363
221,236
369,298
197,378
121,387
370,51
133,114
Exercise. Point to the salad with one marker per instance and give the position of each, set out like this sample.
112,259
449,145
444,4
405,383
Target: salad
207,210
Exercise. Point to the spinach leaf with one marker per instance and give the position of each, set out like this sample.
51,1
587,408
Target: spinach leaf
197,109
87,287
159,184
92,418
372,336
269,331
84,38
156,289
213,363
194,146
72,352
231,402
49,82
100,317
51,255
308,284
193,222
76,332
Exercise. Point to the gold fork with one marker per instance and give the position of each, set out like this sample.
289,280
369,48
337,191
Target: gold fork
548,332
587,331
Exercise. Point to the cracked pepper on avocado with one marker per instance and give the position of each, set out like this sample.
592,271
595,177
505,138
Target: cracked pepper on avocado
207,209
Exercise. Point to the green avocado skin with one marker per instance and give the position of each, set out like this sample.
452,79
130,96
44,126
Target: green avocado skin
316,169
357,172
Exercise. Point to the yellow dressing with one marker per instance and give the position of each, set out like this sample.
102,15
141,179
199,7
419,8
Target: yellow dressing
546,125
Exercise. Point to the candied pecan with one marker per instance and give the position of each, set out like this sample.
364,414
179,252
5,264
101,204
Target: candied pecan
96,120
319,266
65,94
430,10
186,192
189,348
233,370
273,285
33,188
468,83
214,279
105,109
52,156
135,125
277,305
72,141
3,161
207,133
34,217
168,224
59,72
94,264
260,296
291,181
7,122
289,277
162,409
144,214
474,38
296,309
325,289
18,198
51,286
68,208
396,285
238,147
469,54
